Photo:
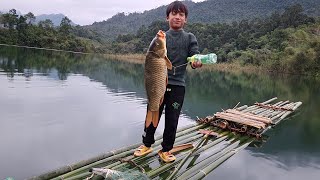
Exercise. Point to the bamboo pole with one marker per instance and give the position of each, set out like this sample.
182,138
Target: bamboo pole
280,113
71,167
272,110
290,105
206,161
241,120
250,116
187,157
250,108
190,138
159,170
205,171
118,164
263,109
182,131
288,112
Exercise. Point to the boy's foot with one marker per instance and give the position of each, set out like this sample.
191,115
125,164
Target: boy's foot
142,150
166,156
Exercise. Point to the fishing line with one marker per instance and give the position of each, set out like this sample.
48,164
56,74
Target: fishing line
175,67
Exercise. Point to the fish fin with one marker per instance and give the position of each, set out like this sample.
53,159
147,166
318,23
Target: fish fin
155,118
168,62
167,81
161,101
149,117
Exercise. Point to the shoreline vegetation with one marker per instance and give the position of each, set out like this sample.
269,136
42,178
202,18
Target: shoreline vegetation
227,67
221,67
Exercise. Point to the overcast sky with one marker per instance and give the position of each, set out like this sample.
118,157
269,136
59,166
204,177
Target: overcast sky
82,12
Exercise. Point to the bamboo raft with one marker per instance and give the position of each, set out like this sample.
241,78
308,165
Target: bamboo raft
211,141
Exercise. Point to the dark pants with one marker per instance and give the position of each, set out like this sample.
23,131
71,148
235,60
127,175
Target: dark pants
173,101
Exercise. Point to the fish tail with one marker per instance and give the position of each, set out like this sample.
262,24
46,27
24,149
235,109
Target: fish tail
152,117
155,118
148,118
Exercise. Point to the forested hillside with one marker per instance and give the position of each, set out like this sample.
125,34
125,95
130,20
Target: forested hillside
287,41
210,11
21,30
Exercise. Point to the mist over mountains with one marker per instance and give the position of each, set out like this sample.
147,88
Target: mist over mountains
55,18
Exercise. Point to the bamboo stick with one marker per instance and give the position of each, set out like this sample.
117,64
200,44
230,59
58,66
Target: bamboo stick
284,114
276,112
280,113
289,112
274,107
180,140
250,116
206,161
250,108
264,113
241,108
181,132
205,171
71,167
241,120
190,138
187,157
263,109
157,171
118,164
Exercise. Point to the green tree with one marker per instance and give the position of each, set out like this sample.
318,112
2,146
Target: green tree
10,19
46,24
30,18
65,26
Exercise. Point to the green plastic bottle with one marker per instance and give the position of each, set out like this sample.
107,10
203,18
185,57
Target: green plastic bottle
205,59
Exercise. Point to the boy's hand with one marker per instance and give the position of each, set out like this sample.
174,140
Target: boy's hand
196,64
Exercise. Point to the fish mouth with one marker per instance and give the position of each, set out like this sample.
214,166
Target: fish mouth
161,34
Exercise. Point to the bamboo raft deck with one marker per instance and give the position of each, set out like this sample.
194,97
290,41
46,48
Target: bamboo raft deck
214,139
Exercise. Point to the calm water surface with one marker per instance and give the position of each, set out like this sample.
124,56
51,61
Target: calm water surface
59,108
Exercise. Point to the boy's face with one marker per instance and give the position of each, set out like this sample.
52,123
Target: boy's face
176,20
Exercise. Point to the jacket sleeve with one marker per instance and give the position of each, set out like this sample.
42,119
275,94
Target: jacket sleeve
193,45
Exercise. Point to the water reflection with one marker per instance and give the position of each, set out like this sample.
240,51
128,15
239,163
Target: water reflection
114,87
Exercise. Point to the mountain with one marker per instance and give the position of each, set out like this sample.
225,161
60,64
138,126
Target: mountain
210,11
55,18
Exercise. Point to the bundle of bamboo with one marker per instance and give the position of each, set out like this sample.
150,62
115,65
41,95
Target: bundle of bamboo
189,164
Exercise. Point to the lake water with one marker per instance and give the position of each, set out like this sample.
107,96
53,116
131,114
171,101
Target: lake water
59,108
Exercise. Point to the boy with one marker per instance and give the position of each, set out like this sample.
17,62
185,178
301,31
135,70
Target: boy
180,45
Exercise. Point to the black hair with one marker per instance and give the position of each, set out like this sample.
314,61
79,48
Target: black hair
177,6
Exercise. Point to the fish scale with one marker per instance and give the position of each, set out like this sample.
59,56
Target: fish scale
155,81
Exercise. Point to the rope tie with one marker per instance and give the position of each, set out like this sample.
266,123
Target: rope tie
205,174
70,167
90,176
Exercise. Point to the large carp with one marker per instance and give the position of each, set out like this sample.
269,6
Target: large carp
156,77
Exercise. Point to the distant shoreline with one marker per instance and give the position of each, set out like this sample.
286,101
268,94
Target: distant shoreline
234,68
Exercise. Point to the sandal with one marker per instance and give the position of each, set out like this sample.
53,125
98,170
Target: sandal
166,156
142,150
